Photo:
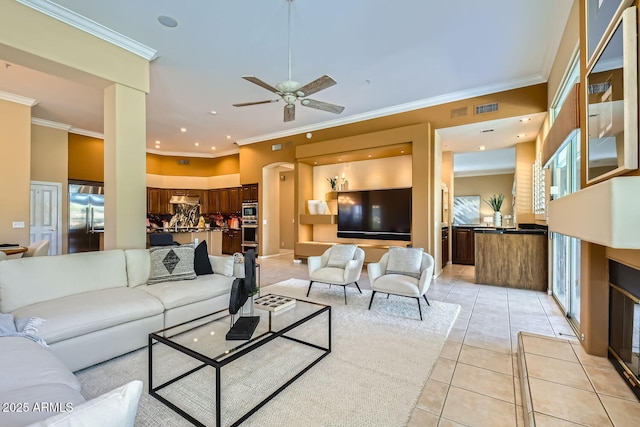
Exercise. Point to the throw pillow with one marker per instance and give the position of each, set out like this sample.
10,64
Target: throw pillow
222,265
340,255
405,261
171,263
115,408
201,262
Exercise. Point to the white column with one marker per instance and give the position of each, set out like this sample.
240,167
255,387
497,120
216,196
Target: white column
124,167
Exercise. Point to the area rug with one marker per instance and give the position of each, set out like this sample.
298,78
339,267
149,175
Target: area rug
379,364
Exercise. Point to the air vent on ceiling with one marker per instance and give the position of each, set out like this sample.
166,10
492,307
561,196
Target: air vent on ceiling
459,112
183,162
487,108
486,131
599,87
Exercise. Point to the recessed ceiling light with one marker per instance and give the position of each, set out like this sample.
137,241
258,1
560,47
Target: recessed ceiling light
167,21
197,144
522,135
482,148
213,112
183,130
213,148
315,163
526,119
369,156
309,135
157,142
401,151
339,160
228,136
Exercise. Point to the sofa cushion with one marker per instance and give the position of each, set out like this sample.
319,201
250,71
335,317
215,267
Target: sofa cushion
87,312
201,262
223,264
407,261
171,263
27,281
138,266
177,294
25,363
41,402
329,275
340,255
115,408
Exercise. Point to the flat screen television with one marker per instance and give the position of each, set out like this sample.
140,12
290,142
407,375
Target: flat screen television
375,214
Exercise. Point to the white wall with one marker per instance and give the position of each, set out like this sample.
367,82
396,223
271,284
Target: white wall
392,172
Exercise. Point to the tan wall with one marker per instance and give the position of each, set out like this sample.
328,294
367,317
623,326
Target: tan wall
486,186
49,163
86,158
568,45
198,166
15,171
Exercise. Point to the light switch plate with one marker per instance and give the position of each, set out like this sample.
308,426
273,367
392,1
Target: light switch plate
18,224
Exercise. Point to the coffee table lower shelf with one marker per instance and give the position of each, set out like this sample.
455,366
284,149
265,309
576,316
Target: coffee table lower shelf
219,361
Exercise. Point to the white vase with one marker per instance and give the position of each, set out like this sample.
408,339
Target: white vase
322,207
497,219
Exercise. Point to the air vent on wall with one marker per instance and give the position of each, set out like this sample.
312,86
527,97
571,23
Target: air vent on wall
599,87
459,112
487,108
183,162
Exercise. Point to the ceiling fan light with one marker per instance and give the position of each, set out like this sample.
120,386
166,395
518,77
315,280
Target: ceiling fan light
288,86
305,102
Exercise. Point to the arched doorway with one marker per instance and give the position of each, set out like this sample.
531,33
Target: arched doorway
277,235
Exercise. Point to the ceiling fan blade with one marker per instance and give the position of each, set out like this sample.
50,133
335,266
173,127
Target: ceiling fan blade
289,112
324,106
317,85
245,104
260,83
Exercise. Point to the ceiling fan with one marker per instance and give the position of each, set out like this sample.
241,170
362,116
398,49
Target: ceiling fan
291,91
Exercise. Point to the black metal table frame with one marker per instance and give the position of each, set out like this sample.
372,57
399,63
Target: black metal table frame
246,347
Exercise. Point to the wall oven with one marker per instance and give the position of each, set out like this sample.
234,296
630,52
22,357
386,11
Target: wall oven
249,226
250,211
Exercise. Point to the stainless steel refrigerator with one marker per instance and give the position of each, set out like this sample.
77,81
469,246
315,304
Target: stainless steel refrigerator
86,216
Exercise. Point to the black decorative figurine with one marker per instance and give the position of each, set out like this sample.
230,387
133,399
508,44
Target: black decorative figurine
241,290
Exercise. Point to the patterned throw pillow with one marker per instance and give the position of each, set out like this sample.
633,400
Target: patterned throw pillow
171,263
405,261
340,255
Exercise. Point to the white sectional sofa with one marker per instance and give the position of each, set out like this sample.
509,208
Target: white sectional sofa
96,306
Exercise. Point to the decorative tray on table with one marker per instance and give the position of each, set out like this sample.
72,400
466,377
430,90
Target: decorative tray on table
273,302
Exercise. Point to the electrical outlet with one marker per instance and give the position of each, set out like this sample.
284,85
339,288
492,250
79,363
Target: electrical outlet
18,224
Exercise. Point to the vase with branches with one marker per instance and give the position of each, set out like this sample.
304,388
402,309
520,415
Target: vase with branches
495,202
333,182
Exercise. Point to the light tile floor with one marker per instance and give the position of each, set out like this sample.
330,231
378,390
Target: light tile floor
475,380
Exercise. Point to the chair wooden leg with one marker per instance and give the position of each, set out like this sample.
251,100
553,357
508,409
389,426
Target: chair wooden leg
371,301
344,288
309,290
356,283
425,298
419,308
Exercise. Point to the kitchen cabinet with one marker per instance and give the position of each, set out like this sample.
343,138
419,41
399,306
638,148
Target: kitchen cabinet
224,201
214,201
463,246
157,200
235,200
250,193
231,241
445,246
202,195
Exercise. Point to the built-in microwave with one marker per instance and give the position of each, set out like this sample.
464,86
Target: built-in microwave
250,210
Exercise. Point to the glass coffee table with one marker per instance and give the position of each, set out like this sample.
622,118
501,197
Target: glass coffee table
186,361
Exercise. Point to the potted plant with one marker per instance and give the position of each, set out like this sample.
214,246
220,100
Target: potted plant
334,183
495,202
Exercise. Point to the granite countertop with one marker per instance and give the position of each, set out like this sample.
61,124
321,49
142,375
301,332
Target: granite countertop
513,230
188,230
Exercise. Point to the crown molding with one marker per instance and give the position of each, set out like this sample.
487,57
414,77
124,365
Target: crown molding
69,17
85,132
11,97
402,108
467,174
191,154
50,124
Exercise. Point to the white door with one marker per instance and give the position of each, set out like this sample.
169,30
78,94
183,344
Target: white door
45,213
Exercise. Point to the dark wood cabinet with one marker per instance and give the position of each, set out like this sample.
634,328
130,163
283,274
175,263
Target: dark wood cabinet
231,242
235,200
445,246
157,201
250,193
214,201
463,246
225,207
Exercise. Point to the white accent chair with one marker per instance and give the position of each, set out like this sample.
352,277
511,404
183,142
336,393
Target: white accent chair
39,248
401,284
3,256
326,268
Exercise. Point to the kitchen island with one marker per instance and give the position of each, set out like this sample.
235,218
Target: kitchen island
188,235
515,258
